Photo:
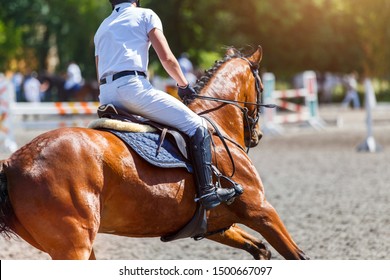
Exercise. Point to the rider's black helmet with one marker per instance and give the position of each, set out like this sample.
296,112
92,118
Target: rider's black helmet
116,2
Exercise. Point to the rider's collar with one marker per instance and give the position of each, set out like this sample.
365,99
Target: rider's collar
122,6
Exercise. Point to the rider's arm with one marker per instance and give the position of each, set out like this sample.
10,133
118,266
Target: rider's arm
167,58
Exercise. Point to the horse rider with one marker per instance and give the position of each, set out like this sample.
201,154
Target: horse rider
122,44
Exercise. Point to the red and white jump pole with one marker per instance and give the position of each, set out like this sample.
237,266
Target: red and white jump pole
304,111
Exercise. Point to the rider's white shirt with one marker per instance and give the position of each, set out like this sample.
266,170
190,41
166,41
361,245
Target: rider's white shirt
122,42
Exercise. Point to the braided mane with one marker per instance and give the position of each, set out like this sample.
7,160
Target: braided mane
204,80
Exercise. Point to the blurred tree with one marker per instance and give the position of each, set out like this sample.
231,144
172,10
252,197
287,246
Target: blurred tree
305,34
324,35
10,40
36,26
372,21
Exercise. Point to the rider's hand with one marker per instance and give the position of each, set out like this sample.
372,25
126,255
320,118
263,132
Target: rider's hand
187,93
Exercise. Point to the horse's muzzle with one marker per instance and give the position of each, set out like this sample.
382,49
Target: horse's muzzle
256,136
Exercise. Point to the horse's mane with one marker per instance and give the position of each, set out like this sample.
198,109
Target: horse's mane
203,81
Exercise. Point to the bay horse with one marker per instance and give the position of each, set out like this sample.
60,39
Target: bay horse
67,185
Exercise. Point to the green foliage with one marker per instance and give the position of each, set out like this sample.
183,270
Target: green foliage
207,59
10,39
323,35
39,25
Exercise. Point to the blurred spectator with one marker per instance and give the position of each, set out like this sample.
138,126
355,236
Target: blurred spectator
187,68
74,79
32,88
328,85
351,94
17,81
45,93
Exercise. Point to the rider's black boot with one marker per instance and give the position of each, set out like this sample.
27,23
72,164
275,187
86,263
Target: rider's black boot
209,195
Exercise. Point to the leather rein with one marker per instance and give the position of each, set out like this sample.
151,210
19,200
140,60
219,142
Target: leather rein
251,120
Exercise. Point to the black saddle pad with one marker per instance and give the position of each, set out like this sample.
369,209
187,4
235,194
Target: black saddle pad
145,144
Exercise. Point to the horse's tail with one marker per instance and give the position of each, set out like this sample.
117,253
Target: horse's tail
6,210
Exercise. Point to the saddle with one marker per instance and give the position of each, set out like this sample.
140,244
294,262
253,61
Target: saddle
180,140
171,142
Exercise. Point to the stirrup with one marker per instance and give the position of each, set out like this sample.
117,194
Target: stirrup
213,199
237,187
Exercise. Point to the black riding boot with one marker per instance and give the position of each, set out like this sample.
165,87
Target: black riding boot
209,195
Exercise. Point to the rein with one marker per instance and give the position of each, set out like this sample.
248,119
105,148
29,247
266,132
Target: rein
251,121
233,102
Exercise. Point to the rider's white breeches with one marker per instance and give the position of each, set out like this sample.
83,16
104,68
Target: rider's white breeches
136,95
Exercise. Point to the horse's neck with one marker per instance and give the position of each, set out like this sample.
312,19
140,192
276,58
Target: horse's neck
228,118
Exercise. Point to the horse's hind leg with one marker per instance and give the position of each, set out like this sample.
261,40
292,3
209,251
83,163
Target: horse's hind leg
267,222
60,242
238,238
64,241
24,234
92,255
64,226
27,237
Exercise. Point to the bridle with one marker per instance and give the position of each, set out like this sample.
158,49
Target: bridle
250,119
253,119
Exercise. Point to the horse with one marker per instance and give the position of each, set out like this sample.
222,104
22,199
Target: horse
67,185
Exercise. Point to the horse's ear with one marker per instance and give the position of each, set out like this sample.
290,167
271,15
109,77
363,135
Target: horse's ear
230,52
256,57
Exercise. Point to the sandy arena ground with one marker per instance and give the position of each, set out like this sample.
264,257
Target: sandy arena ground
334,200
